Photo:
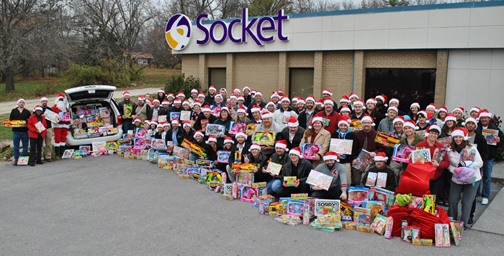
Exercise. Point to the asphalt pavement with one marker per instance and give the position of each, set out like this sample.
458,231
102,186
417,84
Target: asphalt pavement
111,206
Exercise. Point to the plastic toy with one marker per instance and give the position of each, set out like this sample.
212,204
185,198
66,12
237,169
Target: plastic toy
259,184
264,138
310,150
404,223
383,139
438,234
388,228
403,199
422,242
13,124
251,128
346,212
235,128
379,224
429,203
289,219
214,176
364,228
205,163
301,196
457,228
194,148
264,207
362,215
306,213
101,150
246,194
357,194
212,185
237,168
245,178
385,196
276,209
410,233
234,190
294,207
327,206
290,181
322,180
351,225
417,203
446,235
464,175
227,197
274,168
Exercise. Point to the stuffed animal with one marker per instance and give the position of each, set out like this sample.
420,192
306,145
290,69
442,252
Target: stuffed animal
102,150
403,199
464,174
416,203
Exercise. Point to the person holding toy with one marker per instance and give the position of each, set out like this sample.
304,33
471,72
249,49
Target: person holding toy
299,168
37,129
257,157
332,167
465,162
279,157
381,167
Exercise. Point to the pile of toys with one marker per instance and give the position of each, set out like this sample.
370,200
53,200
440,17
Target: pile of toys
91,121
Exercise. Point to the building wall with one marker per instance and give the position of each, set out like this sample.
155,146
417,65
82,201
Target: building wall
476,78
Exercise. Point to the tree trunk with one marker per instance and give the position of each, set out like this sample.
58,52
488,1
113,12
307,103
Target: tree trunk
42,71
9,79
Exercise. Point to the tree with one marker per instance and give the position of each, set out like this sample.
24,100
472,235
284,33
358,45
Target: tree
268,7
193,8
394,3
303,6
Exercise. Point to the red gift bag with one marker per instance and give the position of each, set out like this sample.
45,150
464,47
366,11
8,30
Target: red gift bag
415,179
418,218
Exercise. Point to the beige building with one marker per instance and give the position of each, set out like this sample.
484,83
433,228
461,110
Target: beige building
444,51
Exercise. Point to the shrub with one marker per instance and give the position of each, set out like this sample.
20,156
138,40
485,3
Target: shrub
108,72
179,83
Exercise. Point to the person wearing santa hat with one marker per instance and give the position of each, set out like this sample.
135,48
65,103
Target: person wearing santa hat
443,111
332,168
158,134
267,125
213,148
345,111
194,95
210,98
143,110
187,132
353,97
241,102
137,122
331,117
177,107
205,118
414,109
127,110
326,93
316,134
485,123
241,116
256,156
47,154
165,107
174,134
380,161
156,109
468,188
258,102
225,120
298,167
387,124
433,145
202,99
459,114
270,106
365,140
381,104
199,139
398,131
60,130
294,101
238,152
280,157
275,98
36,135
410,139
450,123
344,133
358,109
218,103
161,95
148,99
292,134
301,104
223,93
423,120
246,96
344,102
281,115
232,104
372,110
310,111
186,106
256,115
474,112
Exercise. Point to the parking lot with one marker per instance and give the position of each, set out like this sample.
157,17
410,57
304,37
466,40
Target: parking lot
111,206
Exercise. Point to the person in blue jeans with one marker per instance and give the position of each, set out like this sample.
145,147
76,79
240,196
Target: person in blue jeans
279,157
485,123
127,118
20,134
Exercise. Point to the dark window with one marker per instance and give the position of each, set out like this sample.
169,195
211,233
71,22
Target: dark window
217,77
406,84
300,82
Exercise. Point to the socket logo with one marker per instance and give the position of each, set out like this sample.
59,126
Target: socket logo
178,32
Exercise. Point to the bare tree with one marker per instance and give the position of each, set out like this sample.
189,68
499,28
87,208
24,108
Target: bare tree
269,7
348,5
193,8
303,6
365,4
230,8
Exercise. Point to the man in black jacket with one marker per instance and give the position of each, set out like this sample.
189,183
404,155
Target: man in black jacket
20,133
292,133
206,116
127,118
299,168
279,157
210,98
240,149
257,157
199,140
486,123
177,107
175,133
258,101
310,111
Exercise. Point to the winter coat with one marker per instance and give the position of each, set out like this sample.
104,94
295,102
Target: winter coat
278,116
324,138
476,164
296,141
338,172
32,130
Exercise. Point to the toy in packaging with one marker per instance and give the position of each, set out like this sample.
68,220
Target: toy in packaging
185,115
385,196
234,190
446,235
422,242
276,209
306,213
235,128
68,154
261,191
112,145
174,116
144,154
158,144
376,207
357,194
223,156
346,212
420,156
439,234
402,153
227,197
490,136
319,179
341,146
290,181
327,206
13,124
40,127
274,168
251,128
363,160
379,224
289,219
264,138
23,160
328,223
246,194
457,228
259,184
301,196
362,215
410,233
310,150
129,154
384,139
180,152
51,116
388,228
216,130
264,207
237,168
245,178
205,163
197,149
163,160
352,225
429,203
294,207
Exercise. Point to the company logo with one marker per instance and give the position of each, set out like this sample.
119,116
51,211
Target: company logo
178,32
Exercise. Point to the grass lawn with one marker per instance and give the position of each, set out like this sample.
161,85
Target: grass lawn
35,88
5,133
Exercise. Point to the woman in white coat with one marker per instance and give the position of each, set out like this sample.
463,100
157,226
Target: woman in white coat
463,154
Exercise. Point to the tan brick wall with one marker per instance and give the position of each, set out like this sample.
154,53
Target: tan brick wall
190,65
337,74
401,59
441,74
300,59
258,71
216,60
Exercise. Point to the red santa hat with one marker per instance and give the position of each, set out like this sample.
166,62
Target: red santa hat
165,124
292,122
301,100
360,102
223,89
38,107
186,102
198,132
218,95
137,119
212,87
233,97
242,109
43,98
434,127
194,90
284,98
275,94
125,93
241,97
344,98
353,95
327,91
484,112
269,103
196,103
161,90
255,146
141,97
328,100
314,119
280,91
460,131
475,109
345,108
20,100
187,123
368,118
266,114
253,92
311,98
237,90
160,125
345,120
246,88
450,117
443,109
165,102
211,138
296,151
155,100
471,119
225,109
394,100
62,96
426,114
415,104
175,121
331,155
201,95
153,122
147,121
258,93
177,101
319,103
393,108
461,109
380,157
433,106
371,100
383,98
410,123
242,134
255,108
170,95
281,144
398,119
228,139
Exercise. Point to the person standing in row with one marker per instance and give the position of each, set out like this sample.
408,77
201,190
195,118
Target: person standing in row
20,134
61,128
37,129
49,132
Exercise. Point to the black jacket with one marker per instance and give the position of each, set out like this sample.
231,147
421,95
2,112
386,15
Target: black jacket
16,115
391,177
275,158
492,150
209,99
173,109
262,105
164,112
121,107
296,141
184,135
303,169
259,176
347,136
303,118
169,134
197,124
482,146
244,152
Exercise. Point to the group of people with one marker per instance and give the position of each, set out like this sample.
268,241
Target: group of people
307,120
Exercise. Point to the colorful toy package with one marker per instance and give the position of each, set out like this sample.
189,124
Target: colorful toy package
388,228
362,215
319,179
410,233
289,219
402,153
301,196
346,211
294,207
429,203
250,129
341,146
420,156
158,144
223,156
379,224
457,227
422,242
235,128
276,208
385,196
290,181
245,178
205,163
23,160
274,168
264,138
180,152
310,150
357,194
327,206
363,160
383,138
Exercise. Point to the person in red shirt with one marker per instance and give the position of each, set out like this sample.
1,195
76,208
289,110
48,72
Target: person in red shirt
60,129
331,117
441,162
36,133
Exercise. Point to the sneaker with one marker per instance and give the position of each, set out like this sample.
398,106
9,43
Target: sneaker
484,201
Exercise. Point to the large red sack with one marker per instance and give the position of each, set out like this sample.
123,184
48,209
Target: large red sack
418,218
415,179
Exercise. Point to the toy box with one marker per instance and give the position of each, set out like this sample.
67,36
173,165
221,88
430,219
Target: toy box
422,242
289,219
379,224
385,196
13,124
259,184
163,160
319,179
246,193
376,207
23,160
410,233
264,207
245,178
193,172
352,225
364,228
457,228
301,196
214,176
388,228
290,181
274,168
327,206
346,211
310,150
362,215
429,203
205,163
264,138
276,209
357,194
294,207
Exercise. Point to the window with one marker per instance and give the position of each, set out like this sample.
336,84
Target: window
217,77
406,84
300,82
